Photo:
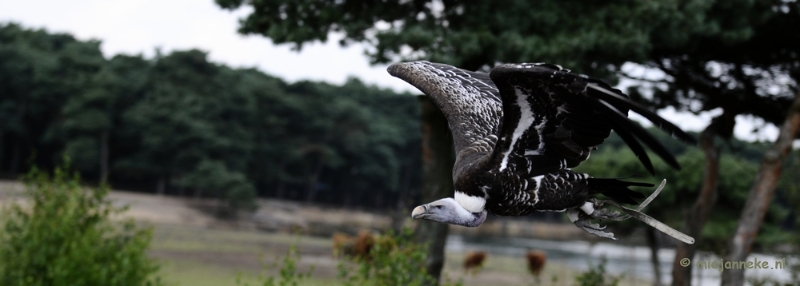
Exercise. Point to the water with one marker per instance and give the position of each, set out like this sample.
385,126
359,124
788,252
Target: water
621,259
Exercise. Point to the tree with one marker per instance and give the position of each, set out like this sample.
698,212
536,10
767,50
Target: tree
191,124
87,122
179,123
742,67
438,157
614,160
761,194
130,76
38,72
171,115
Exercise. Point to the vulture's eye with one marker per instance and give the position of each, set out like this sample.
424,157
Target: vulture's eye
439,207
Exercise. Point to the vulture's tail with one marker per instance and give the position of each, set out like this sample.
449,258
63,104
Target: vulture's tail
617,189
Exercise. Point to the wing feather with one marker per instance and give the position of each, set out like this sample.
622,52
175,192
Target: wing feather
659,121
569,116
469,100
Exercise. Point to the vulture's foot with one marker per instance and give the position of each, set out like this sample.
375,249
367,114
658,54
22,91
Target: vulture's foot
582,221
596,209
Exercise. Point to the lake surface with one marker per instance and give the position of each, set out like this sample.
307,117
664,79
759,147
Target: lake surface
621,259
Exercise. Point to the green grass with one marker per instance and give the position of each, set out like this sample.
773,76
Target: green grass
180,272
208,256
227,254
223,240
192,273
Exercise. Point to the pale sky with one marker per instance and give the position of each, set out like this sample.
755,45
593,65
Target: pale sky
139,26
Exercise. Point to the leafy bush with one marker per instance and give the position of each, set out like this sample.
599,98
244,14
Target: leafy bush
288,274
393,259
229,186
64,234
596,276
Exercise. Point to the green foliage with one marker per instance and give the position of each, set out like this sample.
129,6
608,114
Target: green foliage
287,274
393,260
214,175
68,235
185,125
596,276
596,36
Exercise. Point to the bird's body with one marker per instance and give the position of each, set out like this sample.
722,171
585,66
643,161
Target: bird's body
518,132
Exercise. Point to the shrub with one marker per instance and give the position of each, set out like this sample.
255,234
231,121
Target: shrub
596,276
64,234
288,273
393,259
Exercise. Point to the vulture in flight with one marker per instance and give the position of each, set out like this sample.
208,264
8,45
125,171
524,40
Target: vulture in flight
520,129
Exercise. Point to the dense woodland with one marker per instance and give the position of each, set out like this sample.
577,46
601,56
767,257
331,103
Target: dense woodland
179,124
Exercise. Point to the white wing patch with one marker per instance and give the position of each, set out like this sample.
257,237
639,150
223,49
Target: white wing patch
540,149
525,120
538,180
470,203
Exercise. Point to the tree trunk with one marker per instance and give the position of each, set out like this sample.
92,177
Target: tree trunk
760,196
161,186
13,169
104,157
400,212
311,188
652,242
437,167
281,186
17,142
2,151
198,192
699,213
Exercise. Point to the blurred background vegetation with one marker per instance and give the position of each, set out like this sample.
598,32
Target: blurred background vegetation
180,125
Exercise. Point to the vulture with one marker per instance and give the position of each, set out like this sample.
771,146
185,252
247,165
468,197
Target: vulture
519,130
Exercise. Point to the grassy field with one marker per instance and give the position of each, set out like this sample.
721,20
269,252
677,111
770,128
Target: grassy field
194,248
218,256
203,256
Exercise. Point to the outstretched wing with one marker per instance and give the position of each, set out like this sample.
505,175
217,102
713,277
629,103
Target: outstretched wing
554,119
469,100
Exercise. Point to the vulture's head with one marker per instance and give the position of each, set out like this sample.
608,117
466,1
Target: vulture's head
447,210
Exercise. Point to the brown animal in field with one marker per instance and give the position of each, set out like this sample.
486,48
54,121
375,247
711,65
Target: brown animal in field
474,260
536,260
364,242
364,245
343,244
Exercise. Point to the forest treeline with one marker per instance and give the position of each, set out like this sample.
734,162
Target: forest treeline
179,124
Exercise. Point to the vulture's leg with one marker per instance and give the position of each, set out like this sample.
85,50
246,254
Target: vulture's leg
594,209
582,221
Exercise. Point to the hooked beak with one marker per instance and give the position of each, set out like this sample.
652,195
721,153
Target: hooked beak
419,211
